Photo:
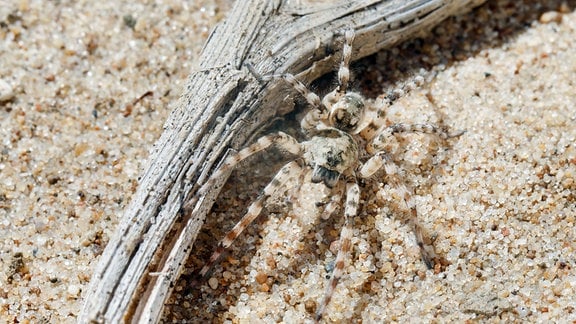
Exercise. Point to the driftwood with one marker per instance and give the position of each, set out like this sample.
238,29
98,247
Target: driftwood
222,105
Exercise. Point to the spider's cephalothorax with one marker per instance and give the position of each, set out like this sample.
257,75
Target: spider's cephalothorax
339,130
330,153
332,150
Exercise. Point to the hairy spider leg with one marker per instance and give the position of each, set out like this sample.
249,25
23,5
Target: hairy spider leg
383,160
378,143
318,111
281,140
285,174
320,107
350,211
344,70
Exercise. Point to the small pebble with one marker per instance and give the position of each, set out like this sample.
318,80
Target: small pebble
73,291
6,91
551,16
213,283
261,277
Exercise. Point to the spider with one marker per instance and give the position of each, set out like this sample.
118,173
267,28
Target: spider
346,142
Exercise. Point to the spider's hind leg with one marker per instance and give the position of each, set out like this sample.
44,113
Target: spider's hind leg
382,160
282,177
379,142
350,211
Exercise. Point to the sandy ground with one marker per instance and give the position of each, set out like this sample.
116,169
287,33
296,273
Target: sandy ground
75,134
85,89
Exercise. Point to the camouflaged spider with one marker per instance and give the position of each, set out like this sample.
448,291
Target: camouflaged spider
336,126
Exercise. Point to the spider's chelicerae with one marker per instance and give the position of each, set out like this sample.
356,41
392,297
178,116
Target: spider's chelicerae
346,141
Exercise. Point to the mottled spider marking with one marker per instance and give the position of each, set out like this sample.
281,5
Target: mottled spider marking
332,152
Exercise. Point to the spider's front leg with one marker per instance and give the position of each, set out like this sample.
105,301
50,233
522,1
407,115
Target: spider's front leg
350,211
318,111
344,69
321,108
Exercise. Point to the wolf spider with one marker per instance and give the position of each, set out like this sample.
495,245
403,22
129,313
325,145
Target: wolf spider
346,141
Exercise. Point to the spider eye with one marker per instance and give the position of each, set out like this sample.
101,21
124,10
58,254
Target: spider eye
343,120
347,112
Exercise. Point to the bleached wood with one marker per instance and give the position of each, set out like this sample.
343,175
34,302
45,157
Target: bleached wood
222,105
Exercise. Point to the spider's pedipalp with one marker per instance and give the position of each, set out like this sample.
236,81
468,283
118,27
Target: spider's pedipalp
350,211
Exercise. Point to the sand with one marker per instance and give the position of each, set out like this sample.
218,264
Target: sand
84,92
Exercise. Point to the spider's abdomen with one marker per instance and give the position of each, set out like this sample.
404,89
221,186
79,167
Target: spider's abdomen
330,153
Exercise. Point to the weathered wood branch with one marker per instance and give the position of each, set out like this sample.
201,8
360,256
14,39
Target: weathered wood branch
222,105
